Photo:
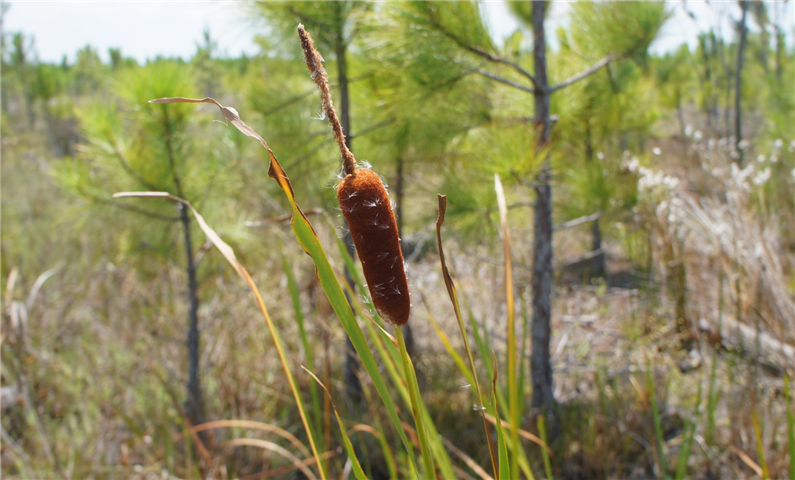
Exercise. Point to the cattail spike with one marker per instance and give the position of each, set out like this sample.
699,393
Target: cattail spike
375,234
366,206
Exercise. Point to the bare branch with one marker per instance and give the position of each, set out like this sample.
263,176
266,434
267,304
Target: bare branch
127,168
134,209
580,258
369,129
482,53
584,74
578,221
493,58
505,81
521,204
290,101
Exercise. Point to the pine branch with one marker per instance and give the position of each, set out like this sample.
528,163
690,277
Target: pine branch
290,101
584,74
505,81
127,168
369,129
131,208
482,53
493,58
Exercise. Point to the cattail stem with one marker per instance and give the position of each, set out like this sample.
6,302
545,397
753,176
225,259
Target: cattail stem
314,62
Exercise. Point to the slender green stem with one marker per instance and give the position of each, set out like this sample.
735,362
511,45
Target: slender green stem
414,394
657,424
790,425
542,429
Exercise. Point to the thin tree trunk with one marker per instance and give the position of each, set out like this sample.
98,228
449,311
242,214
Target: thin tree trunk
727,86
705,57
738,129
399,190
598,263
351,376
541,368
194,405
779,51
399,198
680,115
764,36
30,108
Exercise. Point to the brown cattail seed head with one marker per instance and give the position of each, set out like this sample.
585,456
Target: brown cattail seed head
367,209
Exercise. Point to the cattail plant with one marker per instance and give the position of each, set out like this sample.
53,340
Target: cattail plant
365,204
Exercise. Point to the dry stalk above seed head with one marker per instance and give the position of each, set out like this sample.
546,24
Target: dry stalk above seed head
314,62
366,206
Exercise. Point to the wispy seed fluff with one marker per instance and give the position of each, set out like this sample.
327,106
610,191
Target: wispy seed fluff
366,206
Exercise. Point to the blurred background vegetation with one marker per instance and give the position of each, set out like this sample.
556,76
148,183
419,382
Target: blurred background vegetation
669,288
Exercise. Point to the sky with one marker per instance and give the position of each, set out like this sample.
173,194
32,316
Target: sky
146,29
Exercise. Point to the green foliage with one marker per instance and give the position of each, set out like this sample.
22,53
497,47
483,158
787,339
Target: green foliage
135,146
594,25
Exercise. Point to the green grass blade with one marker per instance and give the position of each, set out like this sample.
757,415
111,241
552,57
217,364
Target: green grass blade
471,375
414,395
308,351
482,343
306,236
790,425
687,444
389,458
503,465
760,447
513,382
542,430
390,356
658,434
358,472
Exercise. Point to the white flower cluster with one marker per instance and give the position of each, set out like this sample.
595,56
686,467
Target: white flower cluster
696,135
762,177
648,179
738,178
671,211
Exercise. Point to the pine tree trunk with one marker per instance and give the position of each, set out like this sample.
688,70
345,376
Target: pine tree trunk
598,263
707,83
738,128
351,376
194,406
727,80
543,397
399,190
399,199
779,51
